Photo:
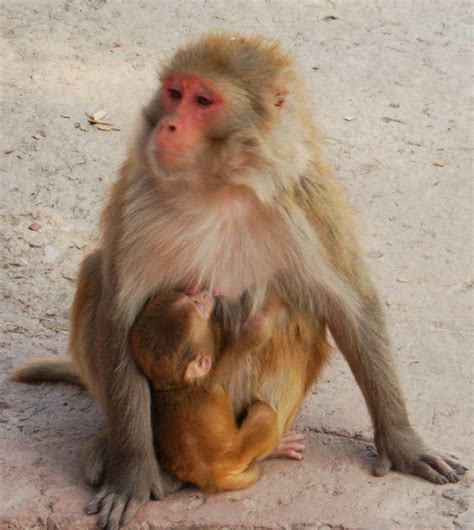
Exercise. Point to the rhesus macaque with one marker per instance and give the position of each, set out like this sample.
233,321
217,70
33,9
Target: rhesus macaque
226,188
176,343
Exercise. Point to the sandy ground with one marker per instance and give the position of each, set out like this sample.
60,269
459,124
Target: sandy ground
390,83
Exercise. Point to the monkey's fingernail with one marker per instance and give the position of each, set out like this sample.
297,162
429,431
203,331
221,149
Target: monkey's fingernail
91,509
101,521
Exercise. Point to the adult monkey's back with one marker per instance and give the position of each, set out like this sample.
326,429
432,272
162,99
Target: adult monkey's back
226,189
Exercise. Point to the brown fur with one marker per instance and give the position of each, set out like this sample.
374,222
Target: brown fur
48,369
196,432
259,213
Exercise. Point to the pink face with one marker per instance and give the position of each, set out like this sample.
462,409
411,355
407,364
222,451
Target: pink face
190,104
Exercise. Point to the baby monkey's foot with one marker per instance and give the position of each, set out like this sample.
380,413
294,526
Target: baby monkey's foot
290,446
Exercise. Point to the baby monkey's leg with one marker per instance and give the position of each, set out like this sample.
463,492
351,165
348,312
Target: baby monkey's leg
236,468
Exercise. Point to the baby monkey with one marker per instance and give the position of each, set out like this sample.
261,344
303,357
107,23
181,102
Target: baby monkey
178,345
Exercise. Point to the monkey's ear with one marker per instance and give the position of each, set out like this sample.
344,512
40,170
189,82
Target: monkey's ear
199,367
280,95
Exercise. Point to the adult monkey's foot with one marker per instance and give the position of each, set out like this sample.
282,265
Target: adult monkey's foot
125,489
290,446
407,453
116,509
118,501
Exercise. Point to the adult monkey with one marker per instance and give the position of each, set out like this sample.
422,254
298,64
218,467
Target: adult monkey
226,189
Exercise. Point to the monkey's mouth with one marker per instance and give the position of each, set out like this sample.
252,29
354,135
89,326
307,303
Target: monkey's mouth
172,159
158,160
180,157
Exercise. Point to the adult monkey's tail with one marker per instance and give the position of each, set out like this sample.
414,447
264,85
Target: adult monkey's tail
48,369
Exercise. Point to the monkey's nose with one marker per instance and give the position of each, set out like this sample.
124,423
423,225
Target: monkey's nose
167,126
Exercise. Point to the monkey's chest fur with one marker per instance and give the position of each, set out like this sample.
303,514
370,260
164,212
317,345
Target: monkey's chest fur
229,244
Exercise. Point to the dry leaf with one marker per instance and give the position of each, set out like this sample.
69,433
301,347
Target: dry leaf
386,119
108,129
349,118
81,127
99,122
98,114
98,118
36,136
439,163
78,244
35,227
9,151
375,254
402,280
394,105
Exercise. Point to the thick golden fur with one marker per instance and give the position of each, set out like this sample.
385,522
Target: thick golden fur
259,213
197,435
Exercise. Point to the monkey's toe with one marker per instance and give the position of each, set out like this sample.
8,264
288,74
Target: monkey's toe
454,462
446,466
94,505
382,467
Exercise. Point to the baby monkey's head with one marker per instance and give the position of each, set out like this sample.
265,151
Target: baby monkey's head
174,339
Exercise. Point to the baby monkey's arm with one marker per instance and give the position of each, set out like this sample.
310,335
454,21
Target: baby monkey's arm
258,330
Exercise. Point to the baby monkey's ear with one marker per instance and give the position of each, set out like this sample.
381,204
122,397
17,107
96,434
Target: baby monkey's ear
199,367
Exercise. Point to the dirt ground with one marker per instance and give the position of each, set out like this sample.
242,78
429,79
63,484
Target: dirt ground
390,82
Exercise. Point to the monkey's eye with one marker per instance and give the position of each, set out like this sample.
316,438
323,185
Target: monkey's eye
203,101
174,94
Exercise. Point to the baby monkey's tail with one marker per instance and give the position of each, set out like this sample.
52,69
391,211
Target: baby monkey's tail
48,369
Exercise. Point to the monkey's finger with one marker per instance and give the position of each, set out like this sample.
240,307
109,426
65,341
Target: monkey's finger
455,464
171,483
290,443
294,455
424,470
156,492
94,505
116,512
130,511
382,467
285,450
105,510
294,447
442,467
